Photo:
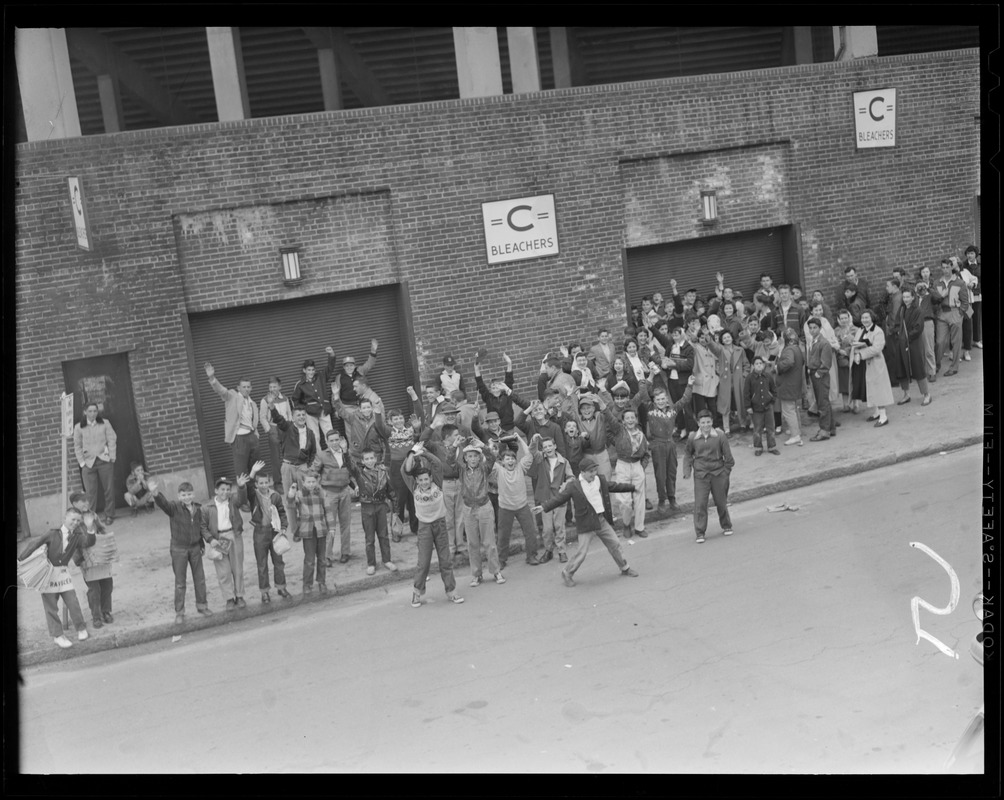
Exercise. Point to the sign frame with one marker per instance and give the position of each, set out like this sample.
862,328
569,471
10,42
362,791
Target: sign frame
520,228
874,118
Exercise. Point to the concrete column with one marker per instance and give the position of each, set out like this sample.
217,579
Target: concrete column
331,84
46,84
523,63
854,41
479,68
229,83
562,58
111,103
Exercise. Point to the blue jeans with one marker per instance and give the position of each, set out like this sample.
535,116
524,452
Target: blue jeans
433,534
262,550
375,527
181,559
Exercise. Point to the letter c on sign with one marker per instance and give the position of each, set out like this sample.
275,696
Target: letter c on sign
871,106
509,217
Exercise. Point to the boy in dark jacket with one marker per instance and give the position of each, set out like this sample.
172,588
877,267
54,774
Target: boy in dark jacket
590,496
373,482
761,390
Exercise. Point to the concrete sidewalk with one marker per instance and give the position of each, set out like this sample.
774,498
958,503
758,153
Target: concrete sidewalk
143,603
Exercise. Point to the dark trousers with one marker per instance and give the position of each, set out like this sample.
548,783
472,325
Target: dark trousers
526,522
967,332
763,421
275,456
821,389
374,517
181,559
50,604
493,498
245,452
99,598
433,535
718,487
313,557
403,495
676,389
711,404
664,463
262,539
103,473
977,320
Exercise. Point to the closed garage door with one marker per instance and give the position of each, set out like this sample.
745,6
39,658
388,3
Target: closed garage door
260,341
740,257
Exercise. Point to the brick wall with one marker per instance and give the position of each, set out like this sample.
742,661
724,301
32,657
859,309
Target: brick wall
414,179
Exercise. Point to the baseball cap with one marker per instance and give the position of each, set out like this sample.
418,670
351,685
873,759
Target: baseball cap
472,448
449,361
588,462
491,415
348,360
447,408
221,480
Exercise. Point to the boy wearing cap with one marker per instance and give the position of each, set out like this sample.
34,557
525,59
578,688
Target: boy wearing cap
349,372
708,454
298,448
422,473
590,496
500,397
479,518
222,521
361,429
593,427
761,392
450,380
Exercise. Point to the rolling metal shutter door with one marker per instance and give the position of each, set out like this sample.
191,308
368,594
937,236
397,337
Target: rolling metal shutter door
740,257
260,341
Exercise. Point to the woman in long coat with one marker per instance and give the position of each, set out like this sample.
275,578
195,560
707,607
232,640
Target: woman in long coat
850,377
705,391
897,357
733,367
877,386
913,325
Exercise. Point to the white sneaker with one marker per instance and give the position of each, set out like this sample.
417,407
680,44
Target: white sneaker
82,635
391,566
63,642
794,440
966,357
370,570
978,344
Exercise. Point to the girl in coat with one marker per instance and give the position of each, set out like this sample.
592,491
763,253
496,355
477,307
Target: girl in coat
877,386
913,325
705,373
733,367
619,372
850,376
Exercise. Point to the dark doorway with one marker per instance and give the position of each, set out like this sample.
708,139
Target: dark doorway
105,380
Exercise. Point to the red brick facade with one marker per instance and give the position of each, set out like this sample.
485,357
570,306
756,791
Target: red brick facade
191,219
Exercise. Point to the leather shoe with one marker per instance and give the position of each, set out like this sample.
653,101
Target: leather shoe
903,402
674,506
548,555
533,561
343,560
872,418
205,612
951,372
758,452
241,603
97,623
629,573
881,424
562,558
108,616
818,438
265,599
774,451
641,534
284,594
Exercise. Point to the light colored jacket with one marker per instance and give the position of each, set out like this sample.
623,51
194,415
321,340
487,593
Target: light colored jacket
93,442
234,401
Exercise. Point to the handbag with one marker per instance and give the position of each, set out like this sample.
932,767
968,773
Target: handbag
280,543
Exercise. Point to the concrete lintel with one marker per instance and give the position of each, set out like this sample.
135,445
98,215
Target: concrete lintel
229,83
479,66
42,58
523,61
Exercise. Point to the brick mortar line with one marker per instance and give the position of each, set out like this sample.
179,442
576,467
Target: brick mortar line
220,618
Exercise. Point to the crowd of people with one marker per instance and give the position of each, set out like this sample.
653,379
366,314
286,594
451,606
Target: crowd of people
463,463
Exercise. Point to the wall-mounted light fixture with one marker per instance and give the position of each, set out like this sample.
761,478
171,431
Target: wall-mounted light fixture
291,266
710,201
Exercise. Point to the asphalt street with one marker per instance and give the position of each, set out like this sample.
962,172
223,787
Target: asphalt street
786,648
